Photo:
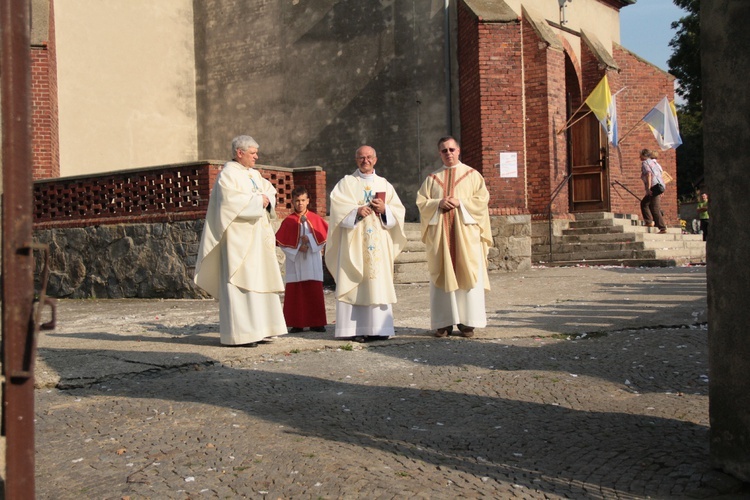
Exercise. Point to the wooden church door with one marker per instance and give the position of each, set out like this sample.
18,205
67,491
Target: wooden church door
589,184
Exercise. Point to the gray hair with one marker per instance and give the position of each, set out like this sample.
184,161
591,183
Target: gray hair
374,153
243,142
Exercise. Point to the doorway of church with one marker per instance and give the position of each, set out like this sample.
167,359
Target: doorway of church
588,164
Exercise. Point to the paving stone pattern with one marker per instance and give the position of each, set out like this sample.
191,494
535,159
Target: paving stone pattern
615,407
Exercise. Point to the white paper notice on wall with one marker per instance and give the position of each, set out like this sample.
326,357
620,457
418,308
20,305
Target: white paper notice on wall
508,164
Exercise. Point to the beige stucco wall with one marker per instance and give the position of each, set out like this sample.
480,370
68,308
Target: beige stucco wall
592,16
126,76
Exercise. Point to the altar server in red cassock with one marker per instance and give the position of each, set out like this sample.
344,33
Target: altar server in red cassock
302,236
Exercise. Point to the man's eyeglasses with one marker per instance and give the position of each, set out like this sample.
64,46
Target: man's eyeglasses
361,158
446,150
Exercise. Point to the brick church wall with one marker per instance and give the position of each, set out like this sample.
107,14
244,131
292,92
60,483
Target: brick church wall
46,141
469,87
511,89
544,80
492,121
491,105
494,88
592,71
645,85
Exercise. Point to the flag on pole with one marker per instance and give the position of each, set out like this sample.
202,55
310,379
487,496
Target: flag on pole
674,113
662,120
612,134
602,104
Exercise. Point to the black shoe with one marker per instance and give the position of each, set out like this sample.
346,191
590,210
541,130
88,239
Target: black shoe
360,339
466,330
318,329
296,330
373,338
443,332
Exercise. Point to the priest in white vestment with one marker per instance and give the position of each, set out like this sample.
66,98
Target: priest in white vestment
455,222
237,261
367,221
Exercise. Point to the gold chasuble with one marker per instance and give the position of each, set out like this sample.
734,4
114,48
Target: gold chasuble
452,236
360,252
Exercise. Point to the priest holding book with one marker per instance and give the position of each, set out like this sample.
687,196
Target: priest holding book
367,221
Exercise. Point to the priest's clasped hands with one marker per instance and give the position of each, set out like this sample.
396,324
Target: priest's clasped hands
449,203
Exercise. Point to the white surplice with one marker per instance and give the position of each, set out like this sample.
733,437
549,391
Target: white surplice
237,261
304,266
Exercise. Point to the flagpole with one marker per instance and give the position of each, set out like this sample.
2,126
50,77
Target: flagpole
568,124
566,127
629,131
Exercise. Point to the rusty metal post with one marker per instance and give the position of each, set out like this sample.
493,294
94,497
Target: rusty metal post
19,341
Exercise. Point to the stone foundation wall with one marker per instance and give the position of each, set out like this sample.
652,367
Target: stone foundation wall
511,236
157,260
122,260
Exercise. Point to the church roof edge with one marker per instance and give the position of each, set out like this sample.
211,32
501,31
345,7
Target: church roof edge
492,10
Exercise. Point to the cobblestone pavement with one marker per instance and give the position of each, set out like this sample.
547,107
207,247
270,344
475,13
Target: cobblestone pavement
587,383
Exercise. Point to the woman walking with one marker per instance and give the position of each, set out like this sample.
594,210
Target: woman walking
652,180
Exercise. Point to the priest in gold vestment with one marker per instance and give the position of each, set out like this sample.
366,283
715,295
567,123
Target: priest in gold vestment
366,236
237,261
455,222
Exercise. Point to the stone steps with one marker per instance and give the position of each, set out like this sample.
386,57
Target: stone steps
411,264
642,236
681,255
410,272
603,238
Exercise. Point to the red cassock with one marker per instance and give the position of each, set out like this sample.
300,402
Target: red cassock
304,302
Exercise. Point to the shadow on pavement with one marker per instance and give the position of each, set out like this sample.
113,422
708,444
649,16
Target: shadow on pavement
494,428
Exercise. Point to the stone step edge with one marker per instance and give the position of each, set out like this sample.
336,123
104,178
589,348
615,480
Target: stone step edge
613,263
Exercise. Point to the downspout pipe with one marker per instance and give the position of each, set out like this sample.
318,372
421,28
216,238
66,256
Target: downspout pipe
447,67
